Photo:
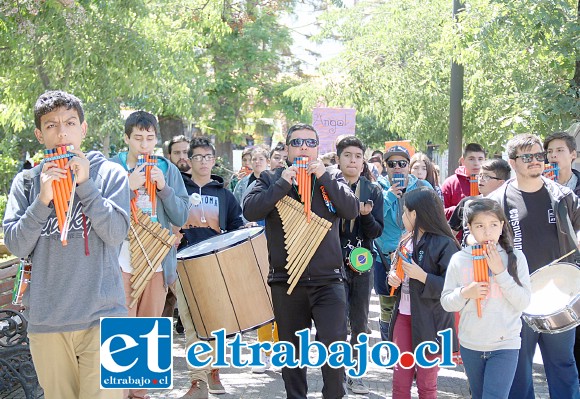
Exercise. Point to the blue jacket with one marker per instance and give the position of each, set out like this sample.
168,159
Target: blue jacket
393,213
172,207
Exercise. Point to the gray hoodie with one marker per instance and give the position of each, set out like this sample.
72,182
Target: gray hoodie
71,286
500,324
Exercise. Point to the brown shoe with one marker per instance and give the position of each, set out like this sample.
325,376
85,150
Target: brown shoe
214,383
198,390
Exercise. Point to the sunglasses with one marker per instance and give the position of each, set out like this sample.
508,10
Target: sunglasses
401,164
527,158
309,142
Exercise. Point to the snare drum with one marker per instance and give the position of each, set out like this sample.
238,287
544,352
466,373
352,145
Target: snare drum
555,304
224,281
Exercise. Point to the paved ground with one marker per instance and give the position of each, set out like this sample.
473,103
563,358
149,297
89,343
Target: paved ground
241,383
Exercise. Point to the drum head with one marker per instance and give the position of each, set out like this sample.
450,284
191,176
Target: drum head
218,243
553,288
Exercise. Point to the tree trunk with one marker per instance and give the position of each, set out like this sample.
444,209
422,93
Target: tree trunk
223,149
170,126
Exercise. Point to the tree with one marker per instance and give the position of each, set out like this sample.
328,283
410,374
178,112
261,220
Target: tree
520,61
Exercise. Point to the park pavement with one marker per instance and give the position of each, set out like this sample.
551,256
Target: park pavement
242,384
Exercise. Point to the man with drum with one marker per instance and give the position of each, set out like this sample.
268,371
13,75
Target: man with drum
213,210
356,236
319,295
544,217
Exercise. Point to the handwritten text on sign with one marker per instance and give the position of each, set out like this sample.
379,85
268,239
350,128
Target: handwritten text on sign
331,123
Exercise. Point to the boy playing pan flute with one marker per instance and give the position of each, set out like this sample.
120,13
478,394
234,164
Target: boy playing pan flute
171,202
72,286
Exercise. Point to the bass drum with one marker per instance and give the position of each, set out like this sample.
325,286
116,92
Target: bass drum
224,281
555,302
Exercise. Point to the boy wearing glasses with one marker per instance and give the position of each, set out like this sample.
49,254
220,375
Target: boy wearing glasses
494,172
544,217
319,294
141,138
213,210
397,182
456,186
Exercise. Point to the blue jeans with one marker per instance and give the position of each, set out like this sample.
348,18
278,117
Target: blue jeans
558,357
490,374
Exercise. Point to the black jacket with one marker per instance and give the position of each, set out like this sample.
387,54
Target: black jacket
433,254
260,204
366,227
566,206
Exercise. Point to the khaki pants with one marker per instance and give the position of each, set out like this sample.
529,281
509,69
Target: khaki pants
191,335
268,334
150,304
68,364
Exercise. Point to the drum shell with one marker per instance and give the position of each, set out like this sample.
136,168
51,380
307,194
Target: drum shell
562,316
227,288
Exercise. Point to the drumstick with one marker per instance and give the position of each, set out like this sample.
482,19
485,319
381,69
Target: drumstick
565,256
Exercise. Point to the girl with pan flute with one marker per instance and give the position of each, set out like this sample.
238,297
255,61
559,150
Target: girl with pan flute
418,315
490,343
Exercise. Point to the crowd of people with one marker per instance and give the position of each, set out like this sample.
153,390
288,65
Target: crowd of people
419,236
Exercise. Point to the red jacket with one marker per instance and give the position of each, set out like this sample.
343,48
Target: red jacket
454,189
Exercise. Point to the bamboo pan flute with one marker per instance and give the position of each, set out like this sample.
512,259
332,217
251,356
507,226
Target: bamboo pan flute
149,244
301,238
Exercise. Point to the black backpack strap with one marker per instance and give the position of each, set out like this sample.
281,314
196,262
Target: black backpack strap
223,208
27,180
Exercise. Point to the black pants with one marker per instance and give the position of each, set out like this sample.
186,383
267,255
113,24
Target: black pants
326,305
357,289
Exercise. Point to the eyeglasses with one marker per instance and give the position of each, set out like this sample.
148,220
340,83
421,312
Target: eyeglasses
527,158
401,164
484,178
206,157
309,142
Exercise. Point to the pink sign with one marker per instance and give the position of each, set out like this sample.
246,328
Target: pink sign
331,123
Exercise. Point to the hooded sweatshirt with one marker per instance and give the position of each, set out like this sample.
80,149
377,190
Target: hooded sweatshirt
194,229
71,286
454,189
172,205
260,203
500,324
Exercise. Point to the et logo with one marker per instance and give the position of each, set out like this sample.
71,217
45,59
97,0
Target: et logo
136,352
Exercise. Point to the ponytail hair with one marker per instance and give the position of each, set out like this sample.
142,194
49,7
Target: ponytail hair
485,205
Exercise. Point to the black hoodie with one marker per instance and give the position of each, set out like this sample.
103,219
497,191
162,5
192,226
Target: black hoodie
195,230
260,204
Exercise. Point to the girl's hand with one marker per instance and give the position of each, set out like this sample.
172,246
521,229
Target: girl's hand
414,271
493,259
475,290
393,280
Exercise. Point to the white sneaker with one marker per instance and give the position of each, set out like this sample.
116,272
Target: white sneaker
265,359
356,385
